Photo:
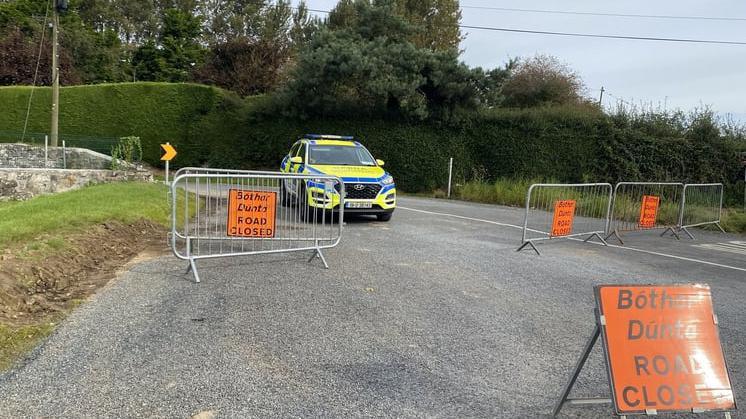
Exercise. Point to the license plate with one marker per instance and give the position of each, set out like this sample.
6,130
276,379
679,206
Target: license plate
358,205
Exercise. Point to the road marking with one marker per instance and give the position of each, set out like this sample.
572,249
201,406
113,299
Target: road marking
738,247
461,217
649,252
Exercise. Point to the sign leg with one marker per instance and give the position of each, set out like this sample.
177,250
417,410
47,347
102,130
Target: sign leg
576,372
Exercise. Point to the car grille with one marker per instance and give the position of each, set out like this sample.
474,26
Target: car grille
368,190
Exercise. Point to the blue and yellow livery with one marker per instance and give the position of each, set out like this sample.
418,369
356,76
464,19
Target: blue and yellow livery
368,188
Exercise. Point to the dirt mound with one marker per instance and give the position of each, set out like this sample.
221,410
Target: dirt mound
38,281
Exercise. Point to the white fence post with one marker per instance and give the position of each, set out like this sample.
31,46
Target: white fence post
450,175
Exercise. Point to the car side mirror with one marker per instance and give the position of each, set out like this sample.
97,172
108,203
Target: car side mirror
296,160
380,162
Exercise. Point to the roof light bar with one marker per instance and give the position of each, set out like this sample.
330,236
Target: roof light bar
330,137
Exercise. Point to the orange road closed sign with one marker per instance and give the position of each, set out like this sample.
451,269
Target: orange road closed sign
251,213
663,349
564,214
649,211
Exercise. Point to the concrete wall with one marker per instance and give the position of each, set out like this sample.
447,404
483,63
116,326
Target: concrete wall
32,156
27,183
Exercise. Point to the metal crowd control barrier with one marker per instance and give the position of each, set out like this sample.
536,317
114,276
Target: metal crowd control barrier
639,206
556,211
221,213
701,204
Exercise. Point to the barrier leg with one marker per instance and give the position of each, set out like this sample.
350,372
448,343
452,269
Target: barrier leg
317,254
529,243
720,227
616,234
193,268
688,233
597,236
671,229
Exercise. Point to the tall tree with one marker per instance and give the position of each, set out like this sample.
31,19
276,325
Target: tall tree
258,62
436,22
433,24
542,80
177,51
366,63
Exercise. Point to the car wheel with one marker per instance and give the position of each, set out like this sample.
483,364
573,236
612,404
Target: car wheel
385,216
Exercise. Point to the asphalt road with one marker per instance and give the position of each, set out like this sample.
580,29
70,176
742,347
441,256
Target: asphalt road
433,314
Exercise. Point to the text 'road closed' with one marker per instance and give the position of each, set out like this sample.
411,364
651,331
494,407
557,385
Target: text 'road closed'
564,214
663,348
251,213
649,211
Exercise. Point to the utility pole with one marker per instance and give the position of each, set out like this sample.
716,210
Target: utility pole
601,98
55,76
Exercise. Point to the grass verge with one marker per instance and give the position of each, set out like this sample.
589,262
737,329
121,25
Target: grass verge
22,221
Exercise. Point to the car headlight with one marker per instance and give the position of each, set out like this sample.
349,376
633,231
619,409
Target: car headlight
388,180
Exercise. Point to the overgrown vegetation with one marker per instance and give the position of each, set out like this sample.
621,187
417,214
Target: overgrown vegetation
128,150
15,341
512,192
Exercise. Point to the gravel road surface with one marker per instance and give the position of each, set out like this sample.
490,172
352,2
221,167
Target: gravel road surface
433,314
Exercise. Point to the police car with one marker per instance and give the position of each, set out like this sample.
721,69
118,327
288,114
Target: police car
369,189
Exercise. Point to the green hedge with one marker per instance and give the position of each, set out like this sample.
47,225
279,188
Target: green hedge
209,126
188,115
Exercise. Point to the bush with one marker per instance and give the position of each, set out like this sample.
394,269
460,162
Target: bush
129,150
209,126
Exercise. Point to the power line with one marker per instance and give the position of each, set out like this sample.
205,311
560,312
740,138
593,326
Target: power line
587,35
36,71
562,12
592,35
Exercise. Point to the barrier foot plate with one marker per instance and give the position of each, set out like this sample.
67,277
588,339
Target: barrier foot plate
529,243
193,268
616,234
317,254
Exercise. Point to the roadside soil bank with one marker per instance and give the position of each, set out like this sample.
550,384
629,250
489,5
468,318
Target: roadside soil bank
41,281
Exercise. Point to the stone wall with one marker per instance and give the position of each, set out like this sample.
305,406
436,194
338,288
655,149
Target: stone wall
27,183
32,156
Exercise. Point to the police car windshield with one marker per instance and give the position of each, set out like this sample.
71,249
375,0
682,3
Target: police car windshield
339,155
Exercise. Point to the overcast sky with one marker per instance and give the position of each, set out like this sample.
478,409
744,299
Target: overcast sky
675,75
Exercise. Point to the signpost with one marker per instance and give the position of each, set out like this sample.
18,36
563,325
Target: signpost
170,154
564,214
662,351
251,213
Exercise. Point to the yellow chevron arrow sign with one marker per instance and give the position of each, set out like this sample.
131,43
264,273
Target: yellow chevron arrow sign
170,152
